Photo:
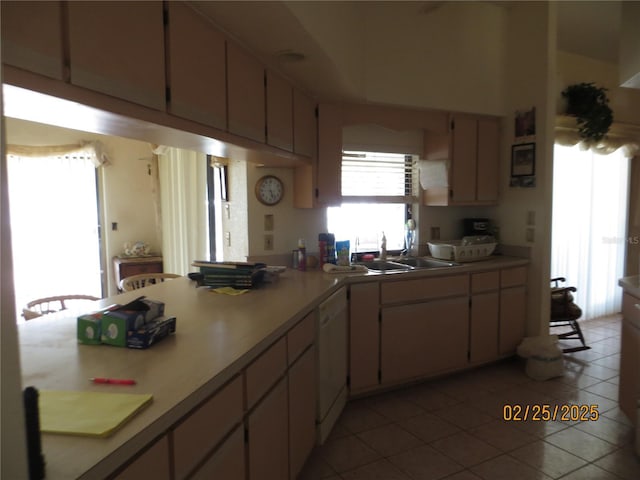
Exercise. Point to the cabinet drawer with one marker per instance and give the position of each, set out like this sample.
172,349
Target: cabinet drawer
511,277
265,371
196,436
424,288
227,462
136,269
300,337
154,463
485,281
630,311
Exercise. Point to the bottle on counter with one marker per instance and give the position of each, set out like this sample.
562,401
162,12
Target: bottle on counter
331,248
322,248
383,248
302,255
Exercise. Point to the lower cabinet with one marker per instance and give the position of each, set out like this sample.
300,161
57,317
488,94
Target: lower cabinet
153,463
364,336
268,445
302,410
484,316
629,388
423,339
513,311
227,462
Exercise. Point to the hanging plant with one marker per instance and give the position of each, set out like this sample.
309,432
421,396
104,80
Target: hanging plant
590,105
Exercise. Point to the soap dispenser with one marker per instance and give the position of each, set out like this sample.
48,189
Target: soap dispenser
383,248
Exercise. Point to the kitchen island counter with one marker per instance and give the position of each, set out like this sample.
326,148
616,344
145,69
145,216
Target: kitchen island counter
217,336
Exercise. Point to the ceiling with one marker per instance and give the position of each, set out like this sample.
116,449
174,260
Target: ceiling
317,30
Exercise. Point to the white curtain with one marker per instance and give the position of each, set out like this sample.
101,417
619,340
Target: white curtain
184,209
590,193
54,226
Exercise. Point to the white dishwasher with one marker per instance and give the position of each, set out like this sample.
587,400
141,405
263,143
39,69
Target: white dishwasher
332,361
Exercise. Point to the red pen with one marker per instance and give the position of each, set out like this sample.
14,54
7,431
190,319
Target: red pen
113,381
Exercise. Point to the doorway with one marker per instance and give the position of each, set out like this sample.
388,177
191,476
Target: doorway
589,226
55,231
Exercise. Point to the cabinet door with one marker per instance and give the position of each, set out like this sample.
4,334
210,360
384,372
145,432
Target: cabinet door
268,436
364,336
483,333
463,161
305,129
424,339
226,462
512,318
488,160
629,388
328,177
32,37
302,410
279,112
245,94
153,463
117,48
198,434
197,76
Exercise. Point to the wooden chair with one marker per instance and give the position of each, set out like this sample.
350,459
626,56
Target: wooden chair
143,280
565,313
42,306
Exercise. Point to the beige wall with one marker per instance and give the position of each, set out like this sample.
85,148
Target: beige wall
125,185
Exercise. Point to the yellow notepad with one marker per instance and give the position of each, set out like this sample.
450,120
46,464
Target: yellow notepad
87,413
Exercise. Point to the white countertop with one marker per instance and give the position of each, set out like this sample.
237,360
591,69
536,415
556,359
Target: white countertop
216,336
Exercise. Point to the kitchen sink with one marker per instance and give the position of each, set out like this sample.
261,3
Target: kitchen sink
420,262
385,266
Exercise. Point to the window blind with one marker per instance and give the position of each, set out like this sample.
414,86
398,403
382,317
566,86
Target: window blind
386,176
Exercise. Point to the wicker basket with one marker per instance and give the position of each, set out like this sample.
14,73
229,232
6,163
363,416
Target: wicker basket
454,250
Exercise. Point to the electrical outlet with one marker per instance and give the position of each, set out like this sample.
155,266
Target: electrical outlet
530,235
268,222
268,242
228,210
227,237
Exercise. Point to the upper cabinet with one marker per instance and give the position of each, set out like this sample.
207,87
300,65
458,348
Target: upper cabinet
197,68
279,112
245,94
305,129
329,168
471,150
32,37
117,48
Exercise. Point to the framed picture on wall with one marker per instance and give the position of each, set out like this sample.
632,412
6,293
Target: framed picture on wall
523,160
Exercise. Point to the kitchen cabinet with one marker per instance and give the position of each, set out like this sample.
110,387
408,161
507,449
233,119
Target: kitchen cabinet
513,304
364,336
200,432
423,339
152,463
117,48
329,166
471,150
305,128
197,67
268,434
279,94
629,386
302,410
245,94
484,316
227,462
32,37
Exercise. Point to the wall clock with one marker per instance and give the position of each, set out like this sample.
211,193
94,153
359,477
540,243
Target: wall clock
269,190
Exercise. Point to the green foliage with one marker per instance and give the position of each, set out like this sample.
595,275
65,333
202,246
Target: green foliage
590,105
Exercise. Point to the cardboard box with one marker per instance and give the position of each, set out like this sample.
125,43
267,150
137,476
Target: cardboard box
135,315
90,326
151,332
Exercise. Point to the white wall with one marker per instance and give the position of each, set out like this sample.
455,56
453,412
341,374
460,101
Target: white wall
126,186
530,77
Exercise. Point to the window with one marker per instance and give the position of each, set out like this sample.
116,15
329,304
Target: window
377,190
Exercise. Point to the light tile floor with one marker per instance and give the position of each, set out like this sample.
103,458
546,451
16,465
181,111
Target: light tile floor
453,427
